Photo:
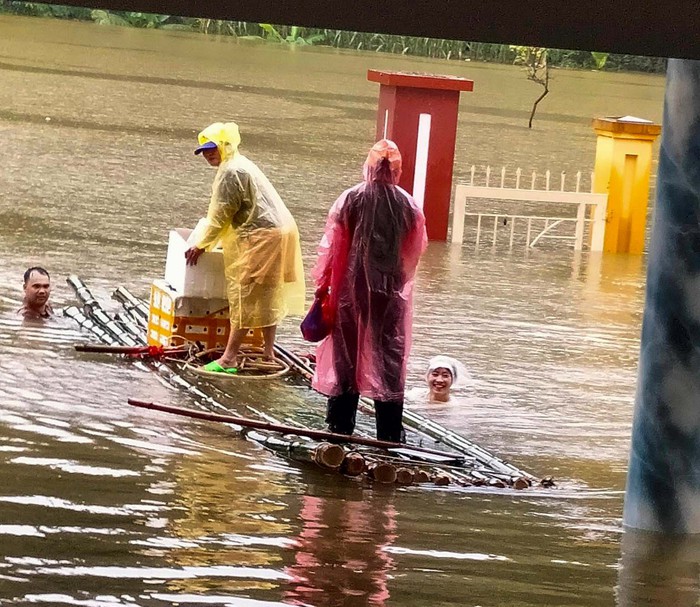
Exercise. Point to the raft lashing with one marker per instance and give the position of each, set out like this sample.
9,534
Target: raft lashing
433,454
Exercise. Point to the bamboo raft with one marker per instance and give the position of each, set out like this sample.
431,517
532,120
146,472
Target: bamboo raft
435,454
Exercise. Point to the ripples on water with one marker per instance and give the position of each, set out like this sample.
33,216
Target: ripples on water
103,504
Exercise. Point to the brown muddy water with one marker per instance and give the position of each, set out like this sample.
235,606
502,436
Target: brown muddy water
101,504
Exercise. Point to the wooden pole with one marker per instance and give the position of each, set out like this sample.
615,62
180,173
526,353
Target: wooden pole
251,423
106,349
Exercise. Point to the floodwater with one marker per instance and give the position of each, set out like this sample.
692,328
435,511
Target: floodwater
103,504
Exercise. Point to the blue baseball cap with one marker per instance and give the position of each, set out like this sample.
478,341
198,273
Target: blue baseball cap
209,145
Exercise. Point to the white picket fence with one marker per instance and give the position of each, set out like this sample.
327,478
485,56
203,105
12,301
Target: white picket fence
589,208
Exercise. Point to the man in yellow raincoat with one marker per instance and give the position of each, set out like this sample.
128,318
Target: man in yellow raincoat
260,239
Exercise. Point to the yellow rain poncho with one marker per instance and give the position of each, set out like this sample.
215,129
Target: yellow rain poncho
260,239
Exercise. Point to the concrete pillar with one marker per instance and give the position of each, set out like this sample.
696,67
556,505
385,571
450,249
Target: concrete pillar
663,482
419,113
623,171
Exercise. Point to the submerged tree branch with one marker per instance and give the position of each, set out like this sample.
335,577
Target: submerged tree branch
536,64
534,106
542,79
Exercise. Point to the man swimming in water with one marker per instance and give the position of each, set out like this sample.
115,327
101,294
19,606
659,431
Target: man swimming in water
37,289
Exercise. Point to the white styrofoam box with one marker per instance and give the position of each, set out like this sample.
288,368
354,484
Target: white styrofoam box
206,279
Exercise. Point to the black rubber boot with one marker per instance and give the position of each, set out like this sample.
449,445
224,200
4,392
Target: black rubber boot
388,415
341,413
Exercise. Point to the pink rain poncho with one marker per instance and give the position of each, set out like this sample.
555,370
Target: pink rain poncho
374,237
262,255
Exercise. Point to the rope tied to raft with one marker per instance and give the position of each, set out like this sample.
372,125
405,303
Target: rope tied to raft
251,364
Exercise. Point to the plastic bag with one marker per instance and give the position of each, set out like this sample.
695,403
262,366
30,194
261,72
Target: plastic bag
316,324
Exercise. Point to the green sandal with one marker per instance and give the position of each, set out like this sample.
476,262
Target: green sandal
215,367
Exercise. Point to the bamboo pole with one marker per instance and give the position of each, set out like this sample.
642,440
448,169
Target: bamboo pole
353,464
421,476
426,427
476,477
123,296
88,324
270,427
93,309
325,455
404,476
135,318
382,472
135,330
441,480
521,483
329,456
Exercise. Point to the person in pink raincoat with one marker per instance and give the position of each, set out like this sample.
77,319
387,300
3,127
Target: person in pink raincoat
367,261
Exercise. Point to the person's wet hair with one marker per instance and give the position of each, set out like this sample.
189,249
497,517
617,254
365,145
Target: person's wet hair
38,270
382,173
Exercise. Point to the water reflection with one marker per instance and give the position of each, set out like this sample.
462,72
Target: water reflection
658,570
341,556
612,288
216,530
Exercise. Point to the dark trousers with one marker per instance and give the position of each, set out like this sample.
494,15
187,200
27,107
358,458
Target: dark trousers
342,411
